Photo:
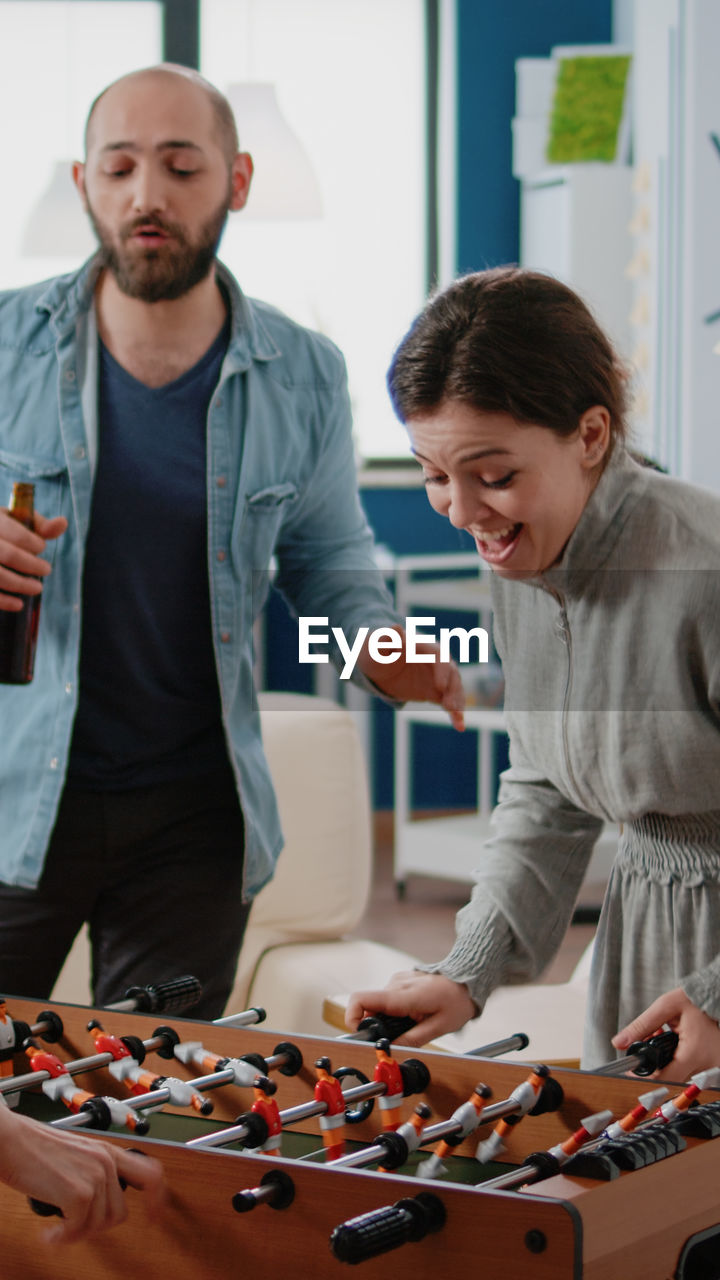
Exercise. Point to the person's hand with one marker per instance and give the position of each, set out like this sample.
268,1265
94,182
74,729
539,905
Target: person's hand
437,1004
405,681
21,565
80,1175
699,1042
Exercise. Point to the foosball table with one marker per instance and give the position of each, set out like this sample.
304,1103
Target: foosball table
488,1166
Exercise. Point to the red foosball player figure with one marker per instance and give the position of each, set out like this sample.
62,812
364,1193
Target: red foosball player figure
387,1072
62,1086
266,1106
329,1090
126,1068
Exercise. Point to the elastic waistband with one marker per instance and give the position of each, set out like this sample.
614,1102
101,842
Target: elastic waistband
666,847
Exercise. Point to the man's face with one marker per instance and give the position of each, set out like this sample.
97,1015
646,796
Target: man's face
157,185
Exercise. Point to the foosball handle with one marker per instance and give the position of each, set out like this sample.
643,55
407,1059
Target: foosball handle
655,1053
45,1210
165,997
381,1026
378,1232
277,1190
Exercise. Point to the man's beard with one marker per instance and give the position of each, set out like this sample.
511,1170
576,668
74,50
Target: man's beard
166,273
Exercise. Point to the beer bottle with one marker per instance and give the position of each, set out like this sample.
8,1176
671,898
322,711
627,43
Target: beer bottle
18,631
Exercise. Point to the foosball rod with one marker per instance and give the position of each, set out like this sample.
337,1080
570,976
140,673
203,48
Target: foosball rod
543,1164
418,1075
442,1129
248,1018
156,1098
498,1048
643,1057
14,1084
381,1026
303,1111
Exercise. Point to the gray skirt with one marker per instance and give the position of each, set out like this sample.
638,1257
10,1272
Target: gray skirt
659,927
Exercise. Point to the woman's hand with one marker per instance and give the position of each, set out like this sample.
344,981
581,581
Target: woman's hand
699,1036
437,1004
21,563
80,1175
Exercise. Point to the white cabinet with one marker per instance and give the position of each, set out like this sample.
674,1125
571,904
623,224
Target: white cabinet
574,224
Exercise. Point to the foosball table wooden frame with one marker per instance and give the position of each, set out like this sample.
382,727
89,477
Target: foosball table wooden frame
636,1225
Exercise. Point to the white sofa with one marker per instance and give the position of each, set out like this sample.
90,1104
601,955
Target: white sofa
297,950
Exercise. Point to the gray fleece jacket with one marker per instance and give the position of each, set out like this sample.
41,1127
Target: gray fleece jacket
612,668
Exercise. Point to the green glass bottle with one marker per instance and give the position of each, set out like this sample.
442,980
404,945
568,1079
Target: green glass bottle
18,631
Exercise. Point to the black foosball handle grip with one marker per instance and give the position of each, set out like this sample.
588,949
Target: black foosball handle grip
165,997
45,1210
655,1053
385,1229
382,1026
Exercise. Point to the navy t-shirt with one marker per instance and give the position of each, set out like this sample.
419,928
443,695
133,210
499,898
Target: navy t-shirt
149,708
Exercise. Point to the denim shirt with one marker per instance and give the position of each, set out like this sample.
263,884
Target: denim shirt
280,481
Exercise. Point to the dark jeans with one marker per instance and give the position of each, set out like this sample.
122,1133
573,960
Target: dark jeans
156,872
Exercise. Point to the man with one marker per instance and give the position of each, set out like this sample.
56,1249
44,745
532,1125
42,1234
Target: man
178,436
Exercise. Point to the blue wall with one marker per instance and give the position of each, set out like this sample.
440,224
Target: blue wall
491,36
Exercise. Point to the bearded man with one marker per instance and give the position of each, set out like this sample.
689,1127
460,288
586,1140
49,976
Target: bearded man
178,436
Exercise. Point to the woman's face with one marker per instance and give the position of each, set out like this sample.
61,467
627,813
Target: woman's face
518,490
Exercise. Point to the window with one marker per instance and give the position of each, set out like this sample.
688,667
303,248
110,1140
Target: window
349,76
56,58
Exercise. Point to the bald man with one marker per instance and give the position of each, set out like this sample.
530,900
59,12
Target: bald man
178,436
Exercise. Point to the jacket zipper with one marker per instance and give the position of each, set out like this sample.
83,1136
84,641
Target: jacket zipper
567,637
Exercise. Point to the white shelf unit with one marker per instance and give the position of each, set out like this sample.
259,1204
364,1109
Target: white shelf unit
446,847
442,846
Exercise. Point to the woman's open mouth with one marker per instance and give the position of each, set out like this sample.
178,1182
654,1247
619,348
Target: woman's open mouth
497,545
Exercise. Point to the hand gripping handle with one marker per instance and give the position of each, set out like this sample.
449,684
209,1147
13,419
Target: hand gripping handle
383,1026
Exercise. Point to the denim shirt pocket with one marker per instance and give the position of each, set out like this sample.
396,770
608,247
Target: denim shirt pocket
261,518
48,475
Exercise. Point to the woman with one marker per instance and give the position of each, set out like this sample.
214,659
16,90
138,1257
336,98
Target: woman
607,621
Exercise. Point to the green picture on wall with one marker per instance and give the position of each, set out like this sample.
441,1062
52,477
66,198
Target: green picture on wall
589,107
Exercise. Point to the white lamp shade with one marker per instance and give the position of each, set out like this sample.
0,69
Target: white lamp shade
57,226
284,184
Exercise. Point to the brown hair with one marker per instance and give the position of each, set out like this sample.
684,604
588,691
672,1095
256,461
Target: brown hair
510,341
223,112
